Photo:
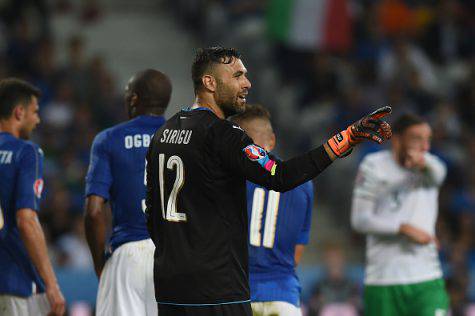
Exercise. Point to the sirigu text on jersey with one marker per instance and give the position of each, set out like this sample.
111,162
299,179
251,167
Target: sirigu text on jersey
176,136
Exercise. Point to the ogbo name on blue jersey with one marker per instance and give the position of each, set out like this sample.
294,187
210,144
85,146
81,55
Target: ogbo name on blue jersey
116,173
137,141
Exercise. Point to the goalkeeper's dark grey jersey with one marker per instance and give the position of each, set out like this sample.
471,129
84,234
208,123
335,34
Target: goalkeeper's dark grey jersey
197,166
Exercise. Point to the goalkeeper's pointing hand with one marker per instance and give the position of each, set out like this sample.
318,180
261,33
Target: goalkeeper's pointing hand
370,127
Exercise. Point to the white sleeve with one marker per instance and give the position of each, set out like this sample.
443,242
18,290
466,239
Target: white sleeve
435,171
364,218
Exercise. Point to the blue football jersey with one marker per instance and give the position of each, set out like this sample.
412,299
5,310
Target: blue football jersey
277,223
21,184
116,173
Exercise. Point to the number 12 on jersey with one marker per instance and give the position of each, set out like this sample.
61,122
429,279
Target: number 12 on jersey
170,213
271,218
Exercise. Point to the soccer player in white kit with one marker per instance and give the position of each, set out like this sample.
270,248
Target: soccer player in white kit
395,203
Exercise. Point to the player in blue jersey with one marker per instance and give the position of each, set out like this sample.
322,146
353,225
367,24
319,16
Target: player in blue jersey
116,174
28,284
279,225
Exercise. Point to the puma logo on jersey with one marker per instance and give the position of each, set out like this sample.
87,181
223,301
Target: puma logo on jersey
6,156
176,136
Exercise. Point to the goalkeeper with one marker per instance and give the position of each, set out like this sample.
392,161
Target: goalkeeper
395,205
201,237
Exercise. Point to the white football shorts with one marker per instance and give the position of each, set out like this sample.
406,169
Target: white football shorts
275,308
36,304
126,285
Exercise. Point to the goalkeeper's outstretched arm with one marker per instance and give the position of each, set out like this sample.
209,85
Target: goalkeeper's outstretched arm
238,153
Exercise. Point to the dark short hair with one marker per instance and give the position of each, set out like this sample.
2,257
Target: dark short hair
252,111
153,89
14,92
403,122
206,57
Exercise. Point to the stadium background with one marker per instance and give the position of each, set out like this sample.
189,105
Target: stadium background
317,65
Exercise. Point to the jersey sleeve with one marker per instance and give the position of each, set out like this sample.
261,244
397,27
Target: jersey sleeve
435,171
238,153
29,186
305,231
367,190
99,175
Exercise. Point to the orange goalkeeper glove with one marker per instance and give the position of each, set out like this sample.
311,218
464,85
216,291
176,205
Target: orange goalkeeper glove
369,127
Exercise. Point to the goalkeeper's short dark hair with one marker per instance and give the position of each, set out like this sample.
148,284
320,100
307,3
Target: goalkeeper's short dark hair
14,92
206,57
403,122
252,111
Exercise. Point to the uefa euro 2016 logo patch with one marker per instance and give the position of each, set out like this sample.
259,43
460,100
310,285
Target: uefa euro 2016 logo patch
254,152
38,187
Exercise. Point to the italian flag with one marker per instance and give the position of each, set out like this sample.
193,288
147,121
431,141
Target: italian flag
310,24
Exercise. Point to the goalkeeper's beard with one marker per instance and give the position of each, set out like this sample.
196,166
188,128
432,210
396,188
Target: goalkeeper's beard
228,101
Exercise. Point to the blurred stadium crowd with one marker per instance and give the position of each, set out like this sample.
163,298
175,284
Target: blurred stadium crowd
79,98
316,64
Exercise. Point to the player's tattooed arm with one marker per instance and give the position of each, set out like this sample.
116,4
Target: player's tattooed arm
34,239
95,222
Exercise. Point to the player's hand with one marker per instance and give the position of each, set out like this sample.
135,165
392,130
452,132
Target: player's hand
370,127
56,300
414,159
415,234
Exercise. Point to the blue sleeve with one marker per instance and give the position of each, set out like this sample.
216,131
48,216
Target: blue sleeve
99,175
29,184
305,231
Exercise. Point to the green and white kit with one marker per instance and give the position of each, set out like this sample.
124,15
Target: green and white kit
387,195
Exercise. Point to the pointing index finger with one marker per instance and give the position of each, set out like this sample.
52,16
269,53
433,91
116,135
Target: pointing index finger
381,112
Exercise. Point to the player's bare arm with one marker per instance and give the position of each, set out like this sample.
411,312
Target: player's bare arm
415,234
298,253
95,222
35,243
